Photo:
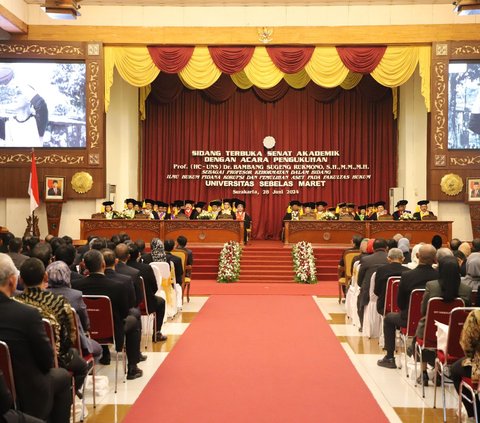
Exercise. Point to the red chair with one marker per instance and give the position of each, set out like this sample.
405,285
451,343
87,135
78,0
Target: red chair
88,358
437,310
7,370
146,312
392,285
99,308
395,287
452,353
473,297
473,391
414,316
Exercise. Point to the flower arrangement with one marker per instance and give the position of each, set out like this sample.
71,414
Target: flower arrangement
205,215
407,216
229,265
304,263
328,216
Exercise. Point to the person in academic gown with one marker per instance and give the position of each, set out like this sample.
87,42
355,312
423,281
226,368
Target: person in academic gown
294,213
162,210
343,210
369,211
240,214
226,212
401,206
362,213
129,212
308,211
152,214
321,210
215,205
423,210
108,213
188,209
351,209
197,210
381,211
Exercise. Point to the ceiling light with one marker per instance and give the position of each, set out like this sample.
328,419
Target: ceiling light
62,9
467,7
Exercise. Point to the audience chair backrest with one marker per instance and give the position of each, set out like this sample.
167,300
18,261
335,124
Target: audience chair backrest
99,308
51,337
473,297
182,255
414,311
76,322
348,257
7,369
143,306
457,320
437,310
389,300
395,287
161,270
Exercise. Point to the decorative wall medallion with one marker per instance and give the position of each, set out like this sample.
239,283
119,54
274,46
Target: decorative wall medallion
441,49
327,236
451,184
202,235
440,160
82,182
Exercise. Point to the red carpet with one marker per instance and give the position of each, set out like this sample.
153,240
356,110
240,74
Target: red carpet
259,359
211,287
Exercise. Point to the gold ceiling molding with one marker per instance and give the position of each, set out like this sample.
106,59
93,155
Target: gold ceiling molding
319,35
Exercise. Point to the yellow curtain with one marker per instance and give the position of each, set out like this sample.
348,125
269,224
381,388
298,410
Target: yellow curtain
351,81
241,80
134,65
395,102
424,63
396,66
261,70
200,72
326,68
297,80
143,94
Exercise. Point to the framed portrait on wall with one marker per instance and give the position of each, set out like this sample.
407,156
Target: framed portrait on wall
54,187
473,190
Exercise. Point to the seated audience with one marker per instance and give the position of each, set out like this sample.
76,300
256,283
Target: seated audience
42,390
368,266
404,245
476,245
437,241
157,251
391,243
472,277
122,254
454,244
4,241
393,268
414,279
414,263
462,261
67,253
126,326
43,252
59,283
469,366
155,304
58,311
15,252
356,241
448,286
177,261
182,246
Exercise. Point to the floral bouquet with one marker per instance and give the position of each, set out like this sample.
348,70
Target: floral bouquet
407,216
205,215
304,263
329,216
229,264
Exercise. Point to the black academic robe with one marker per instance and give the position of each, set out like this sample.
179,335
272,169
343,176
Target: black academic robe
231,213
418,216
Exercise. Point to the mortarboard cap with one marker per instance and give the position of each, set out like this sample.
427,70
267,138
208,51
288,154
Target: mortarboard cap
380,203
108,203
423,202
217,203
130,200
351,205
362,207
321,203
295,203
342,205
401,203
200,204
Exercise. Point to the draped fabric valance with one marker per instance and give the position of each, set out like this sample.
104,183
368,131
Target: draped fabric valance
200,67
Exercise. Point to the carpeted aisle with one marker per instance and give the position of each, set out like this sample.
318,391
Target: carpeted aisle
256,359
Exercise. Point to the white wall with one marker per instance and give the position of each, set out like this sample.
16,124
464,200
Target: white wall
122,165
258,16
412,160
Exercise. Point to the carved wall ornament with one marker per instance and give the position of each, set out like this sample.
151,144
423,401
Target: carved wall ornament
94,159
82,182
466,49
439,104
265,35
451,184
441,49
21,49
52,159
465,161
440,160
93,49
93,105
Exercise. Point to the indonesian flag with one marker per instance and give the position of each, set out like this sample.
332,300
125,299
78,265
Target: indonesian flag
33,186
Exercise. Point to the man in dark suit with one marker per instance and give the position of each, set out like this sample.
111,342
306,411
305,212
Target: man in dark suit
121,252
154,303
182,246
42,391
393,268
413,279
475,192
368,266
67,253
125,325
15,252
55,190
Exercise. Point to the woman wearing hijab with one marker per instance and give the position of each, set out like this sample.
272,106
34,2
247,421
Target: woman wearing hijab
404,245
472,277
448,286
469,366
158,250
414,263
59,283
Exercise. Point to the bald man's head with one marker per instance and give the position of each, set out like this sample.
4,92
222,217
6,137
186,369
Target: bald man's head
427,254
121,251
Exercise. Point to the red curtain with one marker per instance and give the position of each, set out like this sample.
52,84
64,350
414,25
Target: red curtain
290,59
357,123
231,59
171,59
361,59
